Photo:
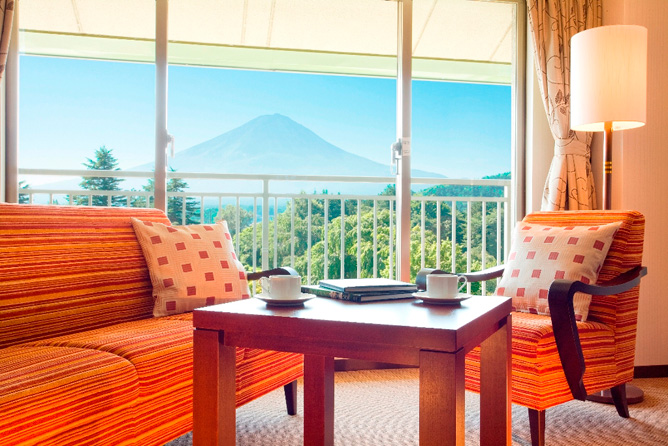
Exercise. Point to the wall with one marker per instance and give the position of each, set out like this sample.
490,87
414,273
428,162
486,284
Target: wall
640,163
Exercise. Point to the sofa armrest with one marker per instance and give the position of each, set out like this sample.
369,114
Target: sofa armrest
282,271
479,276
560,300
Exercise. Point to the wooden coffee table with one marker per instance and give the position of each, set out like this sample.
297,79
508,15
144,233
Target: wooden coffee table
433,338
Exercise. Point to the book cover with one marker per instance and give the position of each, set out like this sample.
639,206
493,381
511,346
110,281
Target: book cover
356,297
367,285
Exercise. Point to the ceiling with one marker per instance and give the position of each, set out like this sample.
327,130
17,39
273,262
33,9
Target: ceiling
452,39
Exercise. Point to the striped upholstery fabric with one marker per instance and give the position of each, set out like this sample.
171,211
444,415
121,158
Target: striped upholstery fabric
607,338
161,351
66,397
82,360
65,269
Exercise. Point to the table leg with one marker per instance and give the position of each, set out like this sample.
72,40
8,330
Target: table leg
318,400
441,398
214,390
495,381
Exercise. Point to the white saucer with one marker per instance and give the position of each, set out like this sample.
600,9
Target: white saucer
441,300
299,300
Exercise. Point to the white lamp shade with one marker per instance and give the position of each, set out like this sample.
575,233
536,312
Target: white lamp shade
609,78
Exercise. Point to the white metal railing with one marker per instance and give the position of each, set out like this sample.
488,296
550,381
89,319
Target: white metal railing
258,191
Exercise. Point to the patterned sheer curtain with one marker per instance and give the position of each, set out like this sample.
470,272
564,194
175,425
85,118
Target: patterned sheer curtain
570,182
6,19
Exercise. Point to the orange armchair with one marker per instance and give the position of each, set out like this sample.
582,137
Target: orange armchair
556,358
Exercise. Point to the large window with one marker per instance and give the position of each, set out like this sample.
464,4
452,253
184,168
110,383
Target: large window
270,104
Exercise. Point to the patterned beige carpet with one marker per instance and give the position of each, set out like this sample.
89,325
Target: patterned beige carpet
380,408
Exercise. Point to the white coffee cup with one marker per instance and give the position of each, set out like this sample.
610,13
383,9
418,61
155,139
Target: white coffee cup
444,286
281,287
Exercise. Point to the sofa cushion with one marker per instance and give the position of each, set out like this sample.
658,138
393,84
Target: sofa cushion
65,269
190,266
66,396
538,380
161,351
540,254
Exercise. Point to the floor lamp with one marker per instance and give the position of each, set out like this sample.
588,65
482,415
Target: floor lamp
609,93
609,85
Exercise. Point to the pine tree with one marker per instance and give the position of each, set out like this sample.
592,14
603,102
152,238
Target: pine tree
104,160
174,204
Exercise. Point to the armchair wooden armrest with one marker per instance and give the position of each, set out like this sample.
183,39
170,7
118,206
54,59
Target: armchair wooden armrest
478,276
282,271
560,300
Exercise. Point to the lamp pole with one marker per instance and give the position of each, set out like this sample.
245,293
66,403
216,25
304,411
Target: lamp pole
607,166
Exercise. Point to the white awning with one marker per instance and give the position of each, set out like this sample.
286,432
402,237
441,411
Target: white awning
459,40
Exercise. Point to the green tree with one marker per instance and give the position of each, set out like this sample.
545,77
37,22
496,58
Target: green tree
104,160
174,204
24,198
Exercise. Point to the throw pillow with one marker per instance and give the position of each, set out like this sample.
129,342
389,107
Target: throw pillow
541,254
190,266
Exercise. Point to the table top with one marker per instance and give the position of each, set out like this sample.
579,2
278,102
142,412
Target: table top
400,323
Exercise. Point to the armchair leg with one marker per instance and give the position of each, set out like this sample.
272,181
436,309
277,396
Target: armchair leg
619,398
537,426
290,390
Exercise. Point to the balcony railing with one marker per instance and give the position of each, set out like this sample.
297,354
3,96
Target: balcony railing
323,234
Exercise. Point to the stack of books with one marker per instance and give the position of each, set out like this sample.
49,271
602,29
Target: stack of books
362,290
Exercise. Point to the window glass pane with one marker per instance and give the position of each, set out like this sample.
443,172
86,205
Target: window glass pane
84,96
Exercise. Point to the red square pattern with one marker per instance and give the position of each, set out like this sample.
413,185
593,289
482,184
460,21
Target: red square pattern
196,236
163,260
228,236
207,228
180,246
170,305
156,239
584,279
242,275
234,256
203,255
210,300
217,244
228,287
168,282
187,267
191,290
224,264
171,229
148,223
544,253
500,290
208,276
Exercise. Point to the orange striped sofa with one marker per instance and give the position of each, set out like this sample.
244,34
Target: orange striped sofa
82,359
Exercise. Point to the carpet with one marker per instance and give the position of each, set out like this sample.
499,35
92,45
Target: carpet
380,408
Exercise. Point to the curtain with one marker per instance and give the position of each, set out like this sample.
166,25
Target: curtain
570,182
6,19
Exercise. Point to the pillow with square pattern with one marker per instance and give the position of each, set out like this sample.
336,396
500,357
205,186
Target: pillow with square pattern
190,266
541,254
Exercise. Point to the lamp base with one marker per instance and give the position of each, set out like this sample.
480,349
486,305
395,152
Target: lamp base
633,395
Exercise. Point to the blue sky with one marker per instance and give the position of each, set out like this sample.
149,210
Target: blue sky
69,108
